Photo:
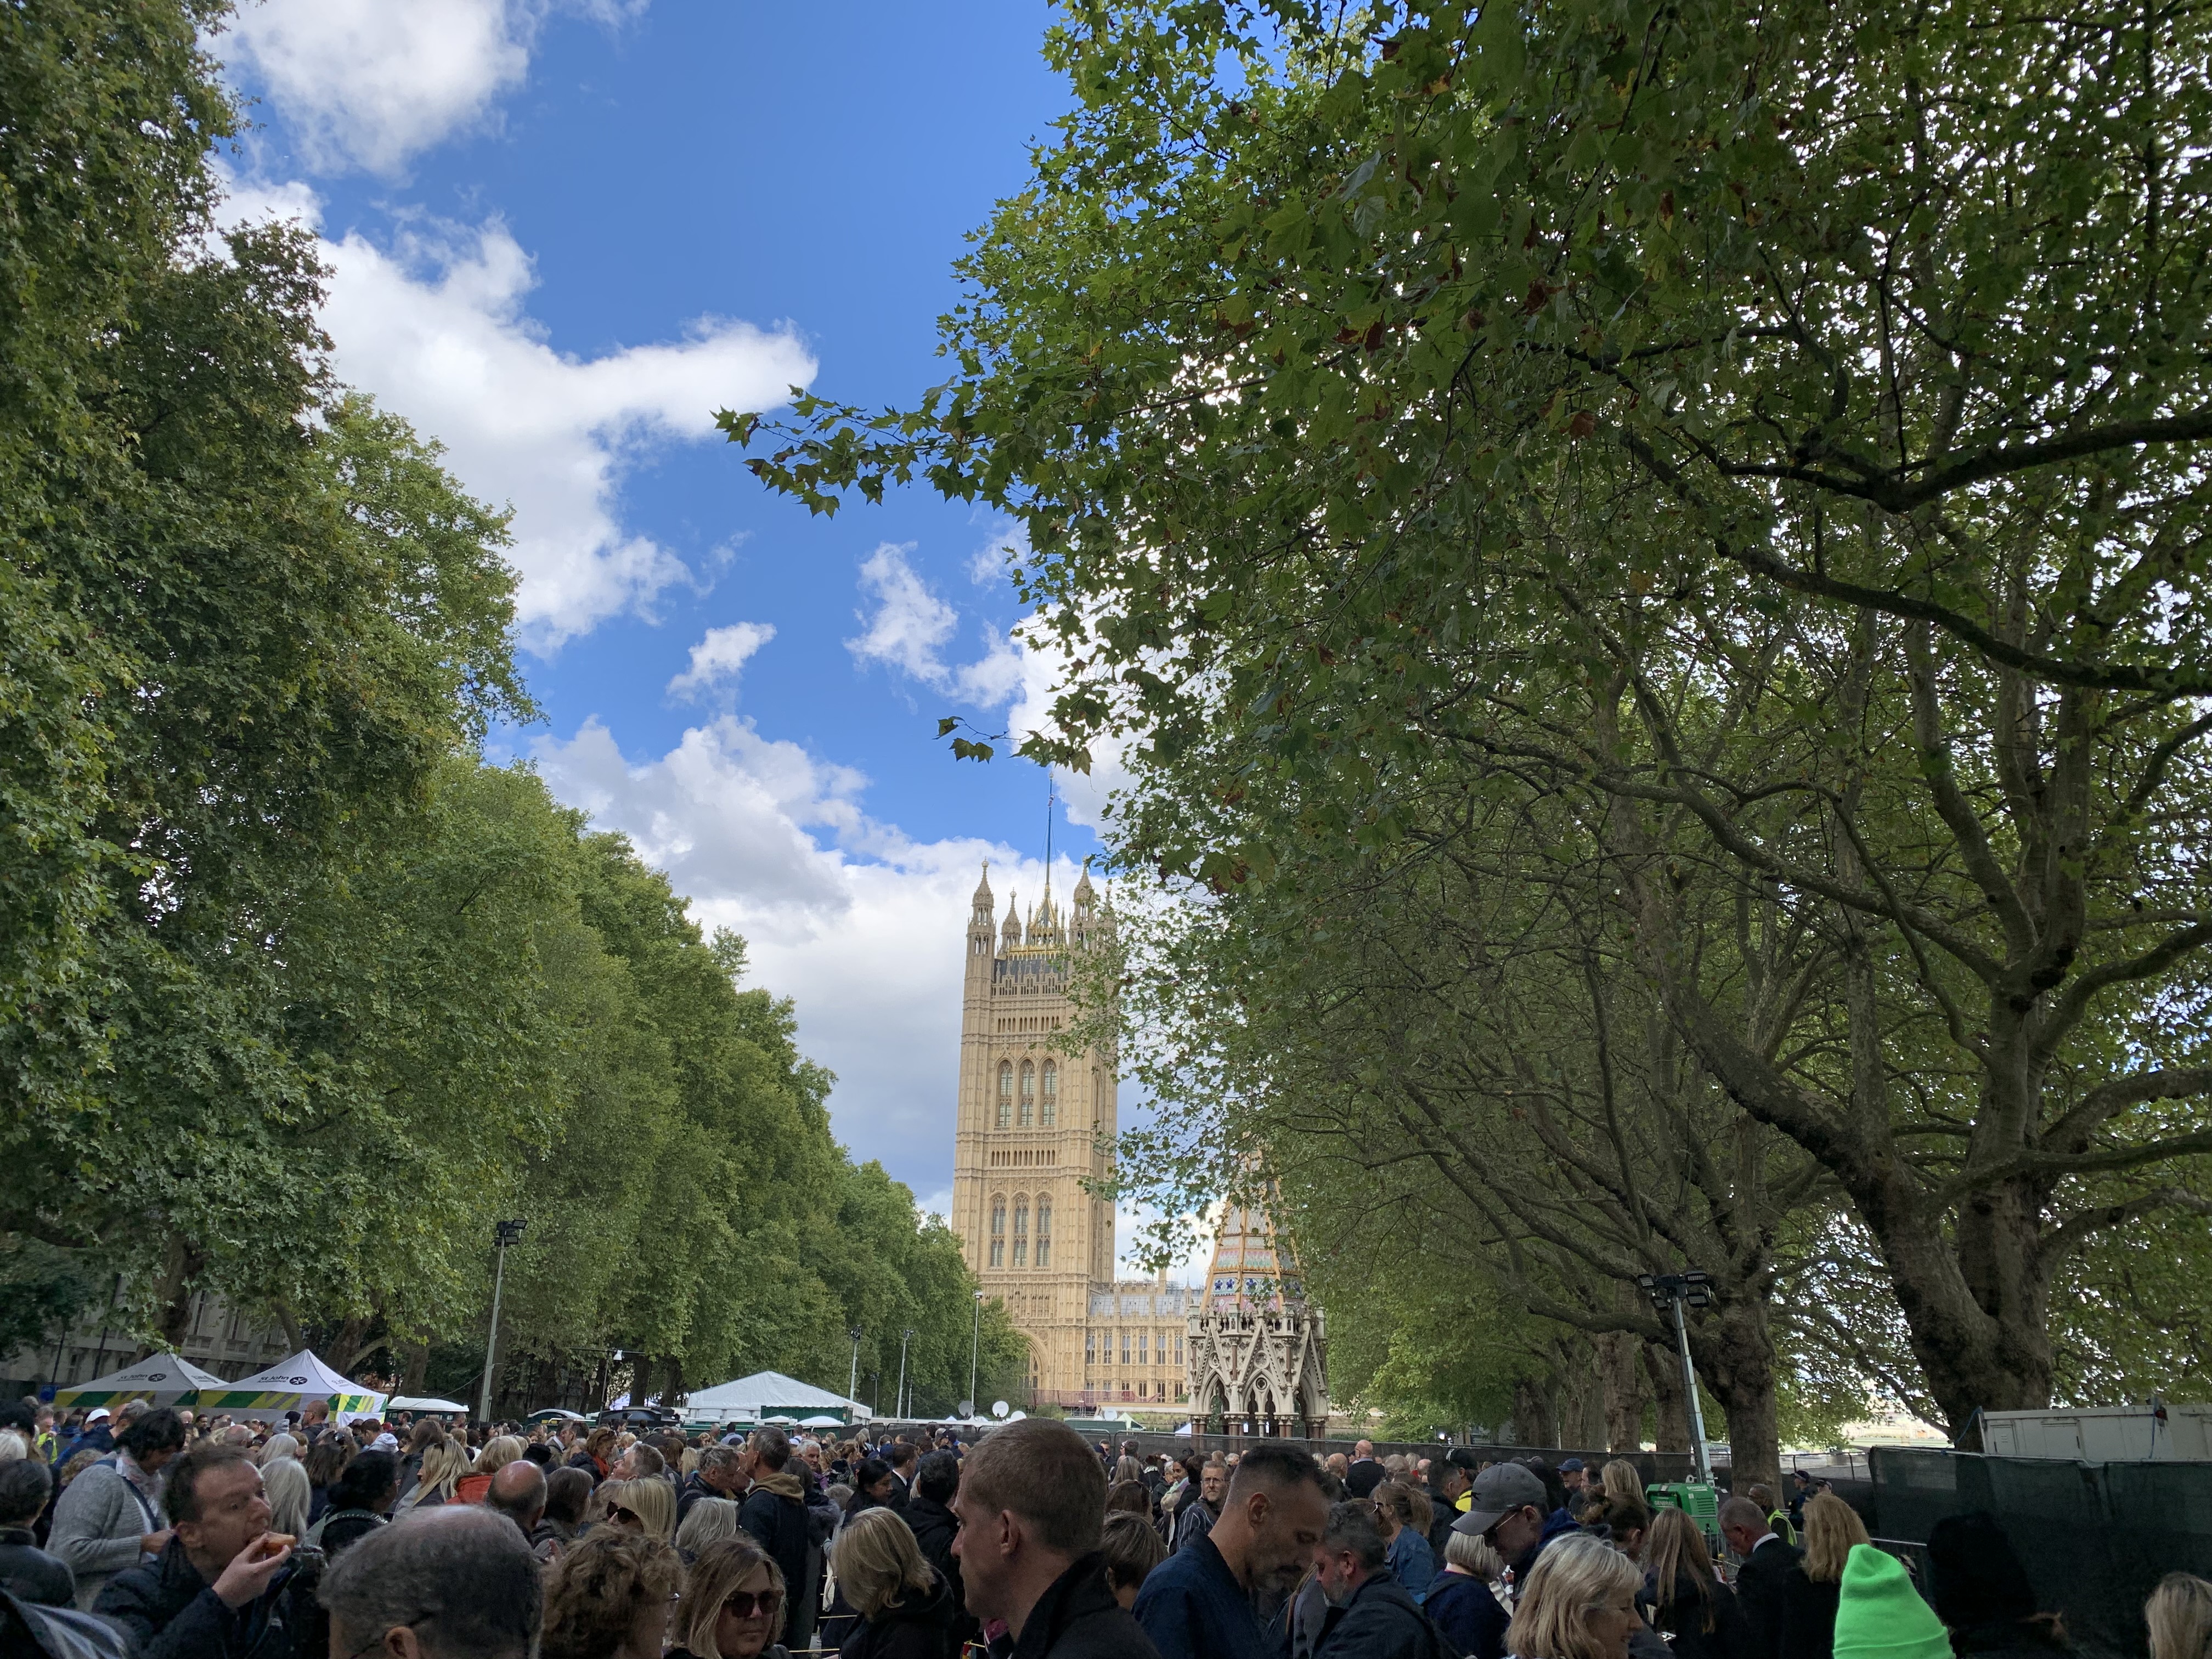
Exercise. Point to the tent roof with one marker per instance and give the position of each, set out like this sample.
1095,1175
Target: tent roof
302,1373
164,1376
772,1391
409,1402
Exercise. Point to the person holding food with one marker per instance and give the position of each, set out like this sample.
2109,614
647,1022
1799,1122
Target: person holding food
225,1587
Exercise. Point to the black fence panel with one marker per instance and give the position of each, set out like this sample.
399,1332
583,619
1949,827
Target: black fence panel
2095,1538
1655,1467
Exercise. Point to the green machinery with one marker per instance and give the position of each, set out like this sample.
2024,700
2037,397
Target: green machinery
1699,1499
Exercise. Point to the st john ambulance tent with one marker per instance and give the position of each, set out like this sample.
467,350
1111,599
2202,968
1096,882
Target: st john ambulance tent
162,1379
291,1385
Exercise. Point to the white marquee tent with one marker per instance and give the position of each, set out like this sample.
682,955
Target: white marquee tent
764,1395
291,1385
162,1378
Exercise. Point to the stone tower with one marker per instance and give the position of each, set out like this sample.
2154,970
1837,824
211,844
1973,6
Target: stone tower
1033,1121
1258,1348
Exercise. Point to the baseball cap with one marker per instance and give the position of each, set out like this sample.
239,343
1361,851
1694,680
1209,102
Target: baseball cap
1572,1465
98,1415
1498,1491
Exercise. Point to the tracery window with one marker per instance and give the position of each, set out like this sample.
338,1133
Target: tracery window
1021,1232
1044,1232
1006,1093
1028,1094
998,1232
1051,1108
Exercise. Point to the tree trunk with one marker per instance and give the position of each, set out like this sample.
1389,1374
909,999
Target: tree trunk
674,1390
181,1262
1621,1383
1671,1432
415,1359
1735,1361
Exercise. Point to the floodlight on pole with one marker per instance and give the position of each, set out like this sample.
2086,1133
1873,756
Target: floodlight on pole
852,1386
503,1233
898,1401
1671,1292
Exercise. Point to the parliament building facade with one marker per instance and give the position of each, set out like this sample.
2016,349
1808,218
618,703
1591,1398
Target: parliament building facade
1035,1119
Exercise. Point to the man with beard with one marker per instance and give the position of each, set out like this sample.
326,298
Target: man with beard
1370,1615
1198,1604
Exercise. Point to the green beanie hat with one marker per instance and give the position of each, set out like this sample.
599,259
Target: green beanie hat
1880,1615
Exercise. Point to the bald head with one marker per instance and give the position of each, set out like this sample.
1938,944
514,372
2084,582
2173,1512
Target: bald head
518,1492
447,1582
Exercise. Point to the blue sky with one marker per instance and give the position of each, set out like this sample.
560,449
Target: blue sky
562,234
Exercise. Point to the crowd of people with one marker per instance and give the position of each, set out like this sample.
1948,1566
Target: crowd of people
156,1534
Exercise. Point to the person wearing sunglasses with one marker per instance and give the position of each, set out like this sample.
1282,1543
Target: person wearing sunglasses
733,1605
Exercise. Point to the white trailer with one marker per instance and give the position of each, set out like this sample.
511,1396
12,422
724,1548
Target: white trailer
2102,1434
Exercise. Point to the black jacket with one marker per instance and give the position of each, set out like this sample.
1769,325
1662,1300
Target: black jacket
690,1492
1763,1588
778,1522
29,1574
1808,1619
1682,1622
917,1627
1381,1622
1078,1619
170,1612
933,1527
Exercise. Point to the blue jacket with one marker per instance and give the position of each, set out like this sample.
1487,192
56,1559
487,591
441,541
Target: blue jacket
1413,1562
1472,1618
1193,1607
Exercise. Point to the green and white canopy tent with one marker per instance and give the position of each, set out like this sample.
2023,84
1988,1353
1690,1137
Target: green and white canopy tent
291,1385
162,1379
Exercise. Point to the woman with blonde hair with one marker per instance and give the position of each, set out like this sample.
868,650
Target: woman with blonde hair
733,1603
1621,1479
1579,1603
444,1463
648,1506
1808,1601
275,1447
906,1609
499,1451
710,1521
1699,1616
1461,1602
2180,1614
1402,1515
609,1596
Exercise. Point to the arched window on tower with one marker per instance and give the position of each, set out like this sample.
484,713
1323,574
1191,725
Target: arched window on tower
1051,1096
1028,1094
1006,1093
999,1231
1044,1231
1021,1232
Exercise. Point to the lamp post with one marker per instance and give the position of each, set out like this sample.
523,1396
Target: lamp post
1673,1292
975,1346
853,1385
503,1233
898,1401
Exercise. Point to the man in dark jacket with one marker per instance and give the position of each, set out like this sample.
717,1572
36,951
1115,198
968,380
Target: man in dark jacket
27,1572
720,1473
1763,1581
902,1457
1198,1603
1369,1617
774,1513
1032,1509
220,1590
1508,1509
929,1512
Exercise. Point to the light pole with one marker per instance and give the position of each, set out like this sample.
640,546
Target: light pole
1672,1290
975,1346
898,1401
503,1233
852,1385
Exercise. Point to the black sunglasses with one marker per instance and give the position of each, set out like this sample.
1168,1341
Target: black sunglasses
750,1604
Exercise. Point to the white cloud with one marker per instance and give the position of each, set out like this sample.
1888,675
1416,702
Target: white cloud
369,83
719,657
860,924
911,627
435,326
